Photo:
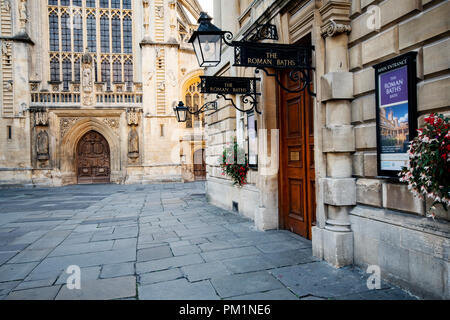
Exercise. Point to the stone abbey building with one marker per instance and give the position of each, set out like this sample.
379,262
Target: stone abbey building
87,89
87,94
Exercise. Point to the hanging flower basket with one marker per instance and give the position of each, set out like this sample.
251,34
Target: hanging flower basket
234,164
428,173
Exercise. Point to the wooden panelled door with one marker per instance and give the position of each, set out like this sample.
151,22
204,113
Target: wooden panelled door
199,165
297,170
93,159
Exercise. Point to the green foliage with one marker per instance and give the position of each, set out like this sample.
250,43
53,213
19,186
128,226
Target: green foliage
234,164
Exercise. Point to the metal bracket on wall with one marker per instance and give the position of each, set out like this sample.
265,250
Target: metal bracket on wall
302,76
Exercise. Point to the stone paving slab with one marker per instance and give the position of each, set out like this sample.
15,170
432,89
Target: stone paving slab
204,271
321,280
156,242
103,289
44,293
279,294
178,290
240,284
160,276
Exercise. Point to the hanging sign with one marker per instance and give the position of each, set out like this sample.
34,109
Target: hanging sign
396,112
270,55
227,85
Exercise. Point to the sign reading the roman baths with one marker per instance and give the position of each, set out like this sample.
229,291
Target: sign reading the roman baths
396,112
269,55
227,85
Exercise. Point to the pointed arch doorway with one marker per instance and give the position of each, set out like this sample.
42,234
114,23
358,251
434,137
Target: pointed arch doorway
93,159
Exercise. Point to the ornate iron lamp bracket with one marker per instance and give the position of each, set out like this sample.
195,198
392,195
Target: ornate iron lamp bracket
212,105
266,31
246,99
302,76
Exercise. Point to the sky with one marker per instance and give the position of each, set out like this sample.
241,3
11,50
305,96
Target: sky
207,5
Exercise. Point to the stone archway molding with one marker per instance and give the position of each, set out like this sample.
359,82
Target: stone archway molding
70,141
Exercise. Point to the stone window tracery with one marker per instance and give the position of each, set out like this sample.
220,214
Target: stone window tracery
102,27
194,99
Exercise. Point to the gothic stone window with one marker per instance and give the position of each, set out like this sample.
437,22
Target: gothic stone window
194,99
103,27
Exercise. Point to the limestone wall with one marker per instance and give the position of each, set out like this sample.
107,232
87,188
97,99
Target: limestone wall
389,226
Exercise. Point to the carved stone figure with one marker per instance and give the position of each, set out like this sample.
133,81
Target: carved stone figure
173,80
173,23
145,4
133,143
23,14
158,52
5,49
6,5
160,11
87,80
42,146
9,85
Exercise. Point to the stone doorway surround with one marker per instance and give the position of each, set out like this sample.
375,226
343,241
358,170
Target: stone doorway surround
71,125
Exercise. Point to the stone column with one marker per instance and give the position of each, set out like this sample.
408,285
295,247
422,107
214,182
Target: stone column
334,243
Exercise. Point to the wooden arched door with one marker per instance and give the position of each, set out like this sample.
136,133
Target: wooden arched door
93,159
199,165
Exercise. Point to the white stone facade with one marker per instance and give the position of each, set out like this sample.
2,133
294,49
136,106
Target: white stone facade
111,77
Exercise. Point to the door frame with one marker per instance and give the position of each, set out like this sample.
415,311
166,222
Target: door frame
281,173
76,157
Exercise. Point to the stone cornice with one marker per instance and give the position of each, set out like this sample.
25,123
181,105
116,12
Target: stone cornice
21,37
335,17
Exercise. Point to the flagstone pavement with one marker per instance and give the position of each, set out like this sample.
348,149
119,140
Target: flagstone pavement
156,242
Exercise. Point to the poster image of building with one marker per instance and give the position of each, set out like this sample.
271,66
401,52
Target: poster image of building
394,129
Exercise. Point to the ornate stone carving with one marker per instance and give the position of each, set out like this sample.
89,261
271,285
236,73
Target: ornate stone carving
41,117
133,136
112,123
133,117
158,52
160,11
145,4
162,86
6,6
6,46
133,143
332,28
23,14
171,76
42,146
87,79
9,85
173,23
65,124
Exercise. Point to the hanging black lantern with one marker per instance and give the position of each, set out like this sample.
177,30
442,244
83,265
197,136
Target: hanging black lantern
207,42
181,112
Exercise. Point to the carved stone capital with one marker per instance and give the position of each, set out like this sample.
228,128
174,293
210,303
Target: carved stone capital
335,17
332,29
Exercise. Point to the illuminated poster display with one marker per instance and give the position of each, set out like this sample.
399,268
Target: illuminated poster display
396,112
